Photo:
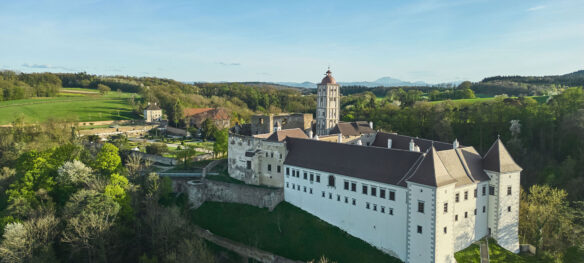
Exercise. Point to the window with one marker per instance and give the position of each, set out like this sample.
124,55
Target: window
445,207
475,212
322,193
305,176
465,214
269,167
367,205
310,190
382,193
354,201
373,191
465,195
508,190
305,189
484,209
455,217
338,198
346,185
419,229
508,209
374,207
346,200
318,178
445,230
272,155
311,177
248,164
354,187
331,181
457,197
293,187
475,193
287,170
392,195
391,211
484,190
330,196
279,169
491,190
382,209
420,206
287,185
364,189
266,154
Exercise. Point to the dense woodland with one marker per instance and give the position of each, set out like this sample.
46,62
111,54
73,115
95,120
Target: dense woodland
82,201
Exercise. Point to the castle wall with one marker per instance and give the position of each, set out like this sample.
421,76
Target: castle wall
265,123
504,224
469,227
421,244
369,218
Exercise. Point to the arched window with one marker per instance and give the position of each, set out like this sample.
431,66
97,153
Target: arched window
331,181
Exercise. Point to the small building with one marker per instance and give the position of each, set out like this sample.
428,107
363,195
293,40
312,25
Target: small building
152,113
196,116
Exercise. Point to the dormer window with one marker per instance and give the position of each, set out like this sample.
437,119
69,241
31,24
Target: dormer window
331,181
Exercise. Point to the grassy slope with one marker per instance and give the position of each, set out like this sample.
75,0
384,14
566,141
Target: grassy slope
77,107
497,254
302,236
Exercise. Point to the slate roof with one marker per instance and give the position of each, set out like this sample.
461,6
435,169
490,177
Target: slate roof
431,171
370,163
498,159
403,142
355,128
283,134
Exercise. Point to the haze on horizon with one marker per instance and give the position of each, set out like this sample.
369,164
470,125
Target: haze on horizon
431,41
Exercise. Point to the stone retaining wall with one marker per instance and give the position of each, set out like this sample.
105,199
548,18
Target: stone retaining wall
200,191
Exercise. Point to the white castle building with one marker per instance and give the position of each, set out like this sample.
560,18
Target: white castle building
416,199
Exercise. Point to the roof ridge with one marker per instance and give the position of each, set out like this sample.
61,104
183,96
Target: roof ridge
464,165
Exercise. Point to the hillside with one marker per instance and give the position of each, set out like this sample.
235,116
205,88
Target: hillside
528,85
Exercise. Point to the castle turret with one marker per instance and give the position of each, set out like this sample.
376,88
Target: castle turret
504,187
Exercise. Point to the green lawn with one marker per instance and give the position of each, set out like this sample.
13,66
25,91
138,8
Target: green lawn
77,108
497,254
287,231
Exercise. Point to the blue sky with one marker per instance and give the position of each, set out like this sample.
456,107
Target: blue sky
432,41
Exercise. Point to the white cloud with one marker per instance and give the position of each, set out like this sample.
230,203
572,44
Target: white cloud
536,8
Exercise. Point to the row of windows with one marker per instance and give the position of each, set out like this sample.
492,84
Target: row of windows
305,175
381,208
338,197
278,168
420,230
271,155
365,189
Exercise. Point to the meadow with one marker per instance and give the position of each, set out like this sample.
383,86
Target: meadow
86,106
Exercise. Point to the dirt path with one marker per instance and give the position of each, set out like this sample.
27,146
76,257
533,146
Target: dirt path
484,251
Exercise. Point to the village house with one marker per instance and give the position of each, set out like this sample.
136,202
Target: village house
152,113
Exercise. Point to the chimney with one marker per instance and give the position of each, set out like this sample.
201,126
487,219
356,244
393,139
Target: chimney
412,145
389,143
340,138
417,148
310,134
371,125
455,144
316,137
359,142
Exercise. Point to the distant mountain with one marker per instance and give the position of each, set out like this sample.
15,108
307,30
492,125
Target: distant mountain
381,82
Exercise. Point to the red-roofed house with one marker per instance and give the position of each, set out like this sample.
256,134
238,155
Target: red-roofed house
196,116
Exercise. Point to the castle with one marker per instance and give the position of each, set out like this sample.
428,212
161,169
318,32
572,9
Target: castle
416,199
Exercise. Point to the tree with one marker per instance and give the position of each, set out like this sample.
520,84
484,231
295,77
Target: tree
30,241
221,142
208,129
75,173
103,89
157,148
545,217
108,159
89,215
31,189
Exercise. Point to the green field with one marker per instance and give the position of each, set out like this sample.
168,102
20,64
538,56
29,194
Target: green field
497,254
70,106
287,231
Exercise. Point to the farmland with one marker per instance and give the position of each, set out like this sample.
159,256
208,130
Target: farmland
70,104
